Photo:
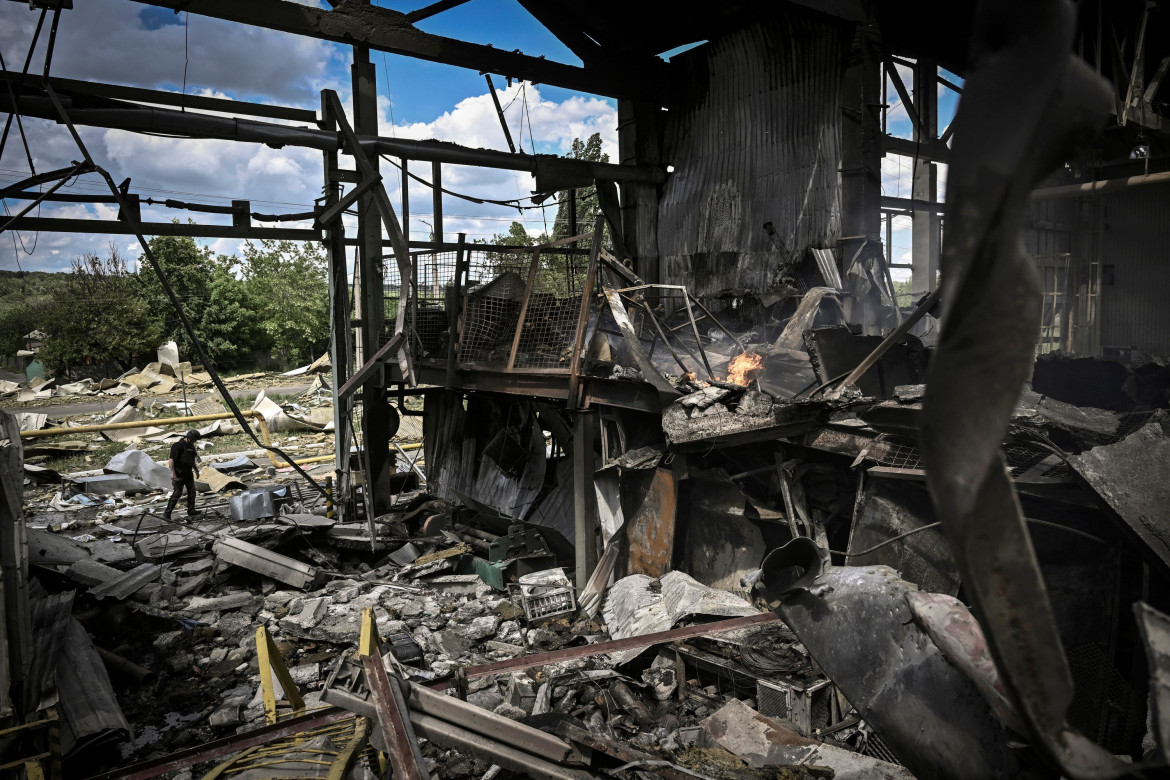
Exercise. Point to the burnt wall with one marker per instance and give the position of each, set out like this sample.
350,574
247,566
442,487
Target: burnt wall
1135,271
755,139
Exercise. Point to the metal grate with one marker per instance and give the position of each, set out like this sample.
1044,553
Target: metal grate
495,295
875,747
1104,707
901,455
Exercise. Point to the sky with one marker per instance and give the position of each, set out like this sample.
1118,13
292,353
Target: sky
417,99
130,43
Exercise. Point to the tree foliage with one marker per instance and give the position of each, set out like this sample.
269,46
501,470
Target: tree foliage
102,315
587,197
287,284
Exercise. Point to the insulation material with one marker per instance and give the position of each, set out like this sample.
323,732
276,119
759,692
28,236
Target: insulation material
169,354
129,414
141,465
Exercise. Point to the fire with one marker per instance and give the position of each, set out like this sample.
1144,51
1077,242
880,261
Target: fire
742,365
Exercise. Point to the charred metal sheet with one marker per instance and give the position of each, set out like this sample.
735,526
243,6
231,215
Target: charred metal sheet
954,630
886,510
836,350
1155,630
1026,101
1130,478
492,452
782,421
89,710
857,624
722,544
650,532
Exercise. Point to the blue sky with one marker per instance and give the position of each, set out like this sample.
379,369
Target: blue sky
129,43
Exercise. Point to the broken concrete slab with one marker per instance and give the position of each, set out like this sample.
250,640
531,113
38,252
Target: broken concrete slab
271,564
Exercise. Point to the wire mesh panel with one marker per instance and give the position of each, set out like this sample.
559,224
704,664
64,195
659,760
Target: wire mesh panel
501,288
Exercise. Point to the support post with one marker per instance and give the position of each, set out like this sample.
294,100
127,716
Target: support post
406,198
453,306
376,421
584,513
925,243
861,140
339,325
437,198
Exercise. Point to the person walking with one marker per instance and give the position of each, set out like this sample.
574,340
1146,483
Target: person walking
183,470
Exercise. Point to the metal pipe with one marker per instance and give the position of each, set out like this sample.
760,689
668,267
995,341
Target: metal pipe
1095,187
46,432
261,423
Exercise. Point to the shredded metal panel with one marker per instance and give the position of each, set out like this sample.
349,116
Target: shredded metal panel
758,143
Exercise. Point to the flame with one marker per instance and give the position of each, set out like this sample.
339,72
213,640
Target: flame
741,365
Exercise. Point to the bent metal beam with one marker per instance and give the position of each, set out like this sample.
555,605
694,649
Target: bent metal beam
390,31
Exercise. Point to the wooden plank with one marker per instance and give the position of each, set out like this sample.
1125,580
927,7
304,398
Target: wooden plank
583,315
532,269
401,745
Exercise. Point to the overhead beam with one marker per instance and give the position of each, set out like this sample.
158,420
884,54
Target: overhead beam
390,31
115,228
432,10
99,112
162,97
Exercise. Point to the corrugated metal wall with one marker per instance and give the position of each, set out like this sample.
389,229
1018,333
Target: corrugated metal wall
757,141
1135,309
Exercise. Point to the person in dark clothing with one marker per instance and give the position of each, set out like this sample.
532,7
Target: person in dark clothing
183,471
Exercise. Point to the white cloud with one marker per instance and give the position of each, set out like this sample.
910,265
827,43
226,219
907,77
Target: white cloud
289,179
96,36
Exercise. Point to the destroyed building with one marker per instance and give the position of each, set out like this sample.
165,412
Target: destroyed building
699,496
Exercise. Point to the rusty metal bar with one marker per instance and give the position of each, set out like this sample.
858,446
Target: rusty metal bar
363,374
616,645
532,269
222,747
401,744
583,316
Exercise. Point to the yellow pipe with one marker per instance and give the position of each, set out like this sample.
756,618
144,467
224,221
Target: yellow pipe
261,423
138,424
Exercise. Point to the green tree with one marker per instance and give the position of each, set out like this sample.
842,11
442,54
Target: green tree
587,197
188,268
229,324
287,283
101,315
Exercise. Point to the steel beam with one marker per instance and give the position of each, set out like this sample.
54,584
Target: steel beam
135,117
114,227
390,31
162,97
